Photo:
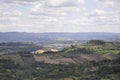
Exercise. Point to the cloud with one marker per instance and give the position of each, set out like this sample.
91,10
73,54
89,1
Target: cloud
106,18
108,3
63,3
57,8
21,2
59,15
15,13
47,2
97,12
3,6
10,17
56,12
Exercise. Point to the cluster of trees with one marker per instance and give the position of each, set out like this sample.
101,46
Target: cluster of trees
31,70
104,70
97,42
18,46
77,51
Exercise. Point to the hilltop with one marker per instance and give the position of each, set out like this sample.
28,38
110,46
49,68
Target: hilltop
94,50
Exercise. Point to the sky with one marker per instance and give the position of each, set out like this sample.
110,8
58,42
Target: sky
60,16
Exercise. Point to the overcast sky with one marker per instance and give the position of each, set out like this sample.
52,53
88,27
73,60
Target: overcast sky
60,16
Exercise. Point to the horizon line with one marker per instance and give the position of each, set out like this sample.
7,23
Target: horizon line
57,32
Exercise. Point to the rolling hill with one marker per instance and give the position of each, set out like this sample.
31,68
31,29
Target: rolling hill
49,37
95,60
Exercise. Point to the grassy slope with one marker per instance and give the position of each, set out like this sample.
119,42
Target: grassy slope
113,48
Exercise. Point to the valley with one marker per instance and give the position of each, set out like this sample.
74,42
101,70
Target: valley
91,60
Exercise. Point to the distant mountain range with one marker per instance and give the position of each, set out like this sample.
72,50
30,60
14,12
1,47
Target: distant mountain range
43,37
